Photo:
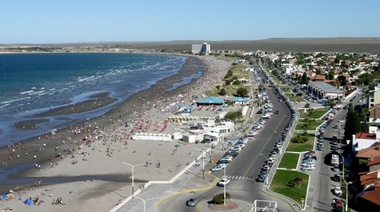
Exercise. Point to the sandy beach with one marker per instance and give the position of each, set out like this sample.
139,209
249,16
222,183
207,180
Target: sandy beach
97,149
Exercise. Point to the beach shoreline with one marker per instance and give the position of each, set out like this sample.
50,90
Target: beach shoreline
79,155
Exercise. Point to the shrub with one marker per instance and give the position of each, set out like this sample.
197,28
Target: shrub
296,182
299,139
233,115
222,92
219,199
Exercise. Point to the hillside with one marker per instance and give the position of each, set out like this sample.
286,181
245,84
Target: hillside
369,45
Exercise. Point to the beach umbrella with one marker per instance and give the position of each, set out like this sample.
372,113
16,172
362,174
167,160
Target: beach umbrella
29,202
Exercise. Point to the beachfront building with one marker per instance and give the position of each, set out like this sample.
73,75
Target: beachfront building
203,48
211,100
210,132
241,100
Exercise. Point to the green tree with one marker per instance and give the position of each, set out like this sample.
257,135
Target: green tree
330,75
304,78
222,92
354,126
242,92
236,82
342,79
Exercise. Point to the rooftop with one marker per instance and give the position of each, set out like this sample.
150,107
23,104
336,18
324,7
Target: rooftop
369,152
365,135
326,87
372,196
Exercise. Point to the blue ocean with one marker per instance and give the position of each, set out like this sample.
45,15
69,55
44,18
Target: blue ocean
34,83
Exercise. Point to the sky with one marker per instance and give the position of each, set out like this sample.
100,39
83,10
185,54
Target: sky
77,21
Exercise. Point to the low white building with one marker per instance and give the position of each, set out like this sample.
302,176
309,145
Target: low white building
210,132
364,140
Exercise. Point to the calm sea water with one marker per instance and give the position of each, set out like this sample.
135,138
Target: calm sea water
32,83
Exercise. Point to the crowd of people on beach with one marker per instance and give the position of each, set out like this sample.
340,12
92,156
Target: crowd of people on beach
115,129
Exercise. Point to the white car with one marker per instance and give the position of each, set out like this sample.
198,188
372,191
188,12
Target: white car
218,167
308,164
227,158
307,168
272,157
251,133
337,190
237,148
266,167
223,182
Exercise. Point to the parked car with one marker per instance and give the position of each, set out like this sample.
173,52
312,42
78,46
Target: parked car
260,179
218,167
192,202
232,153
307,168
337,190
336,178
266,167
251,133
222,161
227,158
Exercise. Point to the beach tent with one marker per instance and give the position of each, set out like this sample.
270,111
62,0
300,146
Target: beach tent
4,196
29,202
241,100
211,100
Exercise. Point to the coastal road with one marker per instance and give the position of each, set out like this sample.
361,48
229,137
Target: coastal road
244,169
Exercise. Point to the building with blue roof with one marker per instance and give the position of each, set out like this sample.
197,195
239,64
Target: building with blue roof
211,100
241,100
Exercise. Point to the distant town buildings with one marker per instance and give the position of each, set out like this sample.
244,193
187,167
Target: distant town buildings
203,48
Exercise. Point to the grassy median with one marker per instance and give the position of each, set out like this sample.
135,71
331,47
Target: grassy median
289,161
292,184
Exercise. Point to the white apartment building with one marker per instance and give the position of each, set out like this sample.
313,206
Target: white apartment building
203,48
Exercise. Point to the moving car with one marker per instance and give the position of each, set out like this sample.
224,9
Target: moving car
223,182
192,202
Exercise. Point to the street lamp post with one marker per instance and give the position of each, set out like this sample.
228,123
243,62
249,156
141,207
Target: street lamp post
203,162
224,188
343,179
133,176
266,178
144,200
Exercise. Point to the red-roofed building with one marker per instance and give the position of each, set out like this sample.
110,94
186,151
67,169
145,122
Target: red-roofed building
369,178
364,140
369,152
319,77
369,198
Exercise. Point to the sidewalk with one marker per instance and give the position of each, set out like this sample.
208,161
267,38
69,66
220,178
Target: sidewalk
156,193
